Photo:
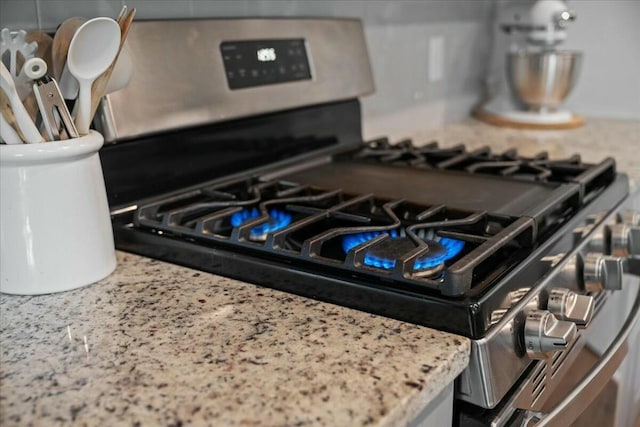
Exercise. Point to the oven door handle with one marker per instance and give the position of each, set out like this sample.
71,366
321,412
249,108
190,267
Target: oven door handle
568,410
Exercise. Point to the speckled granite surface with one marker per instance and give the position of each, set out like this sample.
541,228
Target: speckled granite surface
158,344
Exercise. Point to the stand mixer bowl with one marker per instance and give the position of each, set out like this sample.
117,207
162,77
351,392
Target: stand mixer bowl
541,81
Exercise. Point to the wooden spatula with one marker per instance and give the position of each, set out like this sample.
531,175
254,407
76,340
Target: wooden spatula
7,113
61,42
99,88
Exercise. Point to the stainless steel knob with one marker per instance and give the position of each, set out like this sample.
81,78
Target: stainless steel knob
631,218
625,240
603,272
600,241
568,305
633,265
544,334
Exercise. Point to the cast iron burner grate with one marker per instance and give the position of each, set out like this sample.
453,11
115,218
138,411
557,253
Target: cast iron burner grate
277,221
539,168
436,248
421,247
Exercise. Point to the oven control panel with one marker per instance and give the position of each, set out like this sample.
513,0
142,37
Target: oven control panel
548,319
599,266
252,63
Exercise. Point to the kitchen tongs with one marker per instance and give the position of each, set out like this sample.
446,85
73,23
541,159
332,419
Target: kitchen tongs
53,110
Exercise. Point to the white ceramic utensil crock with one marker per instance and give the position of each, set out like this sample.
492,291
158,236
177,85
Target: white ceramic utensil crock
55,229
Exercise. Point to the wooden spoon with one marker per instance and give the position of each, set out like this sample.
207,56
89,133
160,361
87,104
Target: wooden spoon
99,88
7,115
61,42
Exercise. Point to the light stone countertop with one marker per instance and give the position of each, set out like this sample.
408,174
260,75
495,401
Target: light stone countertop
158,344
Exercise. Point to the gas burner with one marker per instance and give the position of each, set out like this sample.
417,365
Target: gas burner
277,221
384,254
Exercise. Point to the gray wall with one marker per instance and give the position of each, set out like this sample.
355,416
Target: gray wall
398,35
608,33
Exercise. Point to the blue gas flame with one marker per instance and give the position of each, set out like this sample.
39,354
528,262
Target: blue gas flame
452,248
277,221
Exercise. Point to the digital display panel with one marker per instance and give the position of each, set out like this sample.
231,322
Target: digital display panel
264,62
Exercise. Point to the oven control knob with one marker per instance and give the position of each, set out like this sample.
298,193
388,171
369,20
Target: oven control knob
603,272
600,241
568,305
631,218
625,240
544,334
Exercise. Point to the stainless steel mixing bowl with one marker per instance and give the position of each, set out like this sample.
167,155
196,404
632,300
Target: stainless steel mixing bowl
542,80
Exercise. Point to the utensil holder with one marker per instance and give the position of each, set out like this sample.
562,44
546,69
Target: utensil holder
55,228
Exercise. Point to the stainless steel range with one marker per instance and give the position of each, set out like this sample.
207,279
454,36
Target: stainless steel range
242,155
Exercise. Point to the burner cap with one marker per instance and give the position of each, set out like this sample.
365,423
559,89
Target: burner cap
277,221
384,254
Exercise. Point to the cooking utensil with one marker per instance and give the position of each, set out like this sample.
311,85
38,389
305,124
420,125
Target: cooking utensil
68,84
119,71
25,124
20,49
52,105
122,72
59,51
15,50
121,14
60,45
45,43
542,80
86,63
34,69
7,113
7,132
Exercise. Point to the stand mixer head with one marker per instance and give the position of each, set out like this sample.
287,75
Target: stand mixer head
536,77
544,24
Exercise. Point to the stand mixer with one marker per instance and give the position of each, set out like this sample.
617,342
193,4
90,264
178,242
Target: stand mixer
534,77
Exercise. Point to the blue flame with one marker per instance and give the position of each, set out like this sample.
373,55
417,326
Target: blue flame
277,221
452,248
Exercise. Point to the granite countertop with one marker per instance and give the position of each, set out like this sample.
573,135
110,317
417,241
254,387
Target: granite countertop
159,344
156,343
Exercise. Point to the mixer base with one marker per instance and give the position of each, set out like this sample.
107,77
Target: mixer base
529,120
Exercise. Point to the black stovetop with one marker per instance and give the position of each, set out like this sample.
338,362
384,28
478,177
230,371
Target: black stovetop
432,235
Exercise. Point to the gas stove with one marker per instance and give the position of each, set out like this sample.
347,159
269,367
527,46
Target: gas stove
427,253
260,174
